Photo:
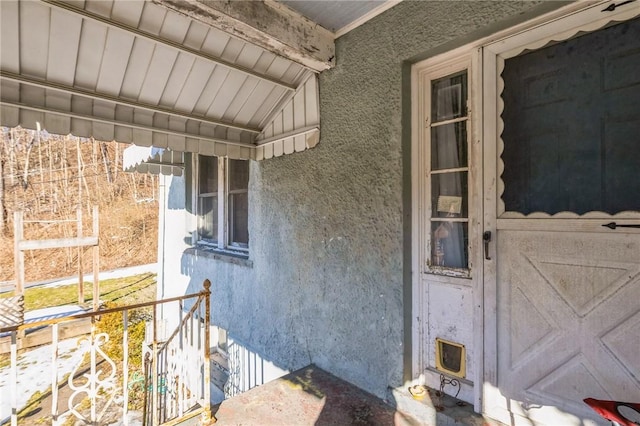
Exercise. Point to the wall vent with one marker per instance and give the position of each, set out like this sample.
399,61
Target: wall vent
451,358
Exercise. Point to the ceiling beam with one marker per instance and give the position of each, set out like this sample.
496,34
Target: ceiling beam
268,24
126,124
156,39
6,75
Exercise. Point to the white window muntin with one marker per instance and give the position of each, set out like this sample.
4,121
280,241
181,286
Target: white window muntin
223,209
423,79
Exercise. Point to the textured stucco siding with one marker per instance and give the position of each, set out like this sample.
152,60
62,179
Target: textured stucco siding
326,281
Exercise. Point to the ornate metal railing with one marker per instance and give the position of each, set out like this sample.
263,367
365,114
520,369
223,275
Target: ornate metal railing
172,381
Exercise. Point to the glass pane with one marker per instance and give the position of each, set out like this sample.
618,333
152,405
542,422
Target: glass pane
571,132
451,357
239,213
208,175
449,146
238,174
449,244
208,218
449,97
449,195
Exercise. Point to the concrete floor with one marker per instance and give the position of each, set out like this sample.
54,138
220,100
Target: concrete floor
309,396
312,396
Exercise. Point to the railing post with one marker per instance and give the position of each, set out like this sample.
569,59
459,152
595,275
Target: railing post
93,393
54,374
207,362
154,369
18,254
182,369
125,366
14,379
80,268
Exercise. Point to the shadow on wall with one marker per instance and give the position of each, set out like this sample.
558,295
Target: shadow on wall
179,192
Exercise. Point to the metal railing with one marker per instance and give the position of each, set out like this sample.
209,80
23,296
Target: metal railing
172,378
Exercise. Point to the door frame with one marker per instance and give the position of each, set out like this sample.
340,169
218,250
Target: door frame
559,25
423,367
486,57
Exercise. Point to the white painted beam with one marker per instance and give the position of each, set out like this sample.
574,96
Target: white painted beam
125,124
156,39
268,24
21,78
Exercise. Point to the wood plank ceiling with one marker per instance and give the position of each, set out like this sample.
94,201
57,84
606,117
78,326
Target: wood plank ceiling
138,72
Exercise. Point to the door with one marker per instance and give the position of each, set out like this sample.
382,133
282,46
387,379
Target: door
446,212
562,160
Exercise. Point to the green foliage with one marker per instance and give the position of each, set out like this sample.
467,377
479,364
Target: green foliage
112,324
129,290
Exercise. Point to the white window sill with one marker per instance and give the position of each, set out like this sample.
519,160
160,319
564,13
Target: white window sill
229,256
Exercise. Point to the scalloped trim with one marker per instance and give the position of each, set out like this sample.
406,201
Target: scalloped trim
588,27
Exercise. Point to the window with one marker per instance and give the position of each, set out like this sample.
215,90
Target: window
447,172
223,202
571,125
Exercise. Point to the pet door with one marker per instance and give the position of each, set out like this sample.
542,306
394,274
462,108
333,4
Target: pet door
450,358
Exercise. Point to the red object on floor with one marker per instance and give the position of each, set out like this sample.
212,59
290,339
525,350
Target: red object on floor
622,413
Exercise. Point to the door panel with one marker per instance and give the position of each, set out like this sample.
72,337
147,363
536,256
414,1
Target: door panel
568,321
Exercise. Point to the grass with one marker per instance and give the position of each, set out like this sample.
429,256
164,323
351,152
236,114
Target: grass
120,291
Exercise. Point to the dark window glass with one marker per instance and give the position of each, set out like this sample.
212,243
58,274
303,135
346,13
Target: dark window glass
449,97
239,206
208,175
238,174
207,198
449,245
572,125
208,218
449,146
238,203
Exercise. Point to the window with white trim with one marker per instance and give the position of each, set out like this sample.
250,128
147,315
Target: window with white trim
447,172
441,142
223,203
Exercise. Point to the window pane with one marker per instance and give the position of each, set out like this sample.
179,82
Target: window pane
449,194
571,125
208,182
449,244
239,213
238,174
449,146
449,97
208,218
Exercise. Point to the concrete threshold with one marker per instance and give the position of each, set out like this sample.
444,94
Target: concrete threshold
432,407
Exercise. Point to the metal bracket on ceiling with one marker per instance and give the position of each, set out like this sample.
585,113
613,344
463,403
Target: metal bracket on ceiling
613,6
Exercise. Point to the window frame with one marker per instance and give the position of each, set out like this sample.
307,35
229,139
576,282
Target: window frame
425,78
224,206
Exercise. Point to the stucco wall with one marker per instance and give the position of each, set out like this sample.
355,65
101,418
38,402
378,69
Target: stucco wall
325,284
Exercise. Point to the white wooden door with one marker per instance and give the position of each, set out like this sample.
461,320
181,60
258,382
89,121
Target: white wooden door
562,291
